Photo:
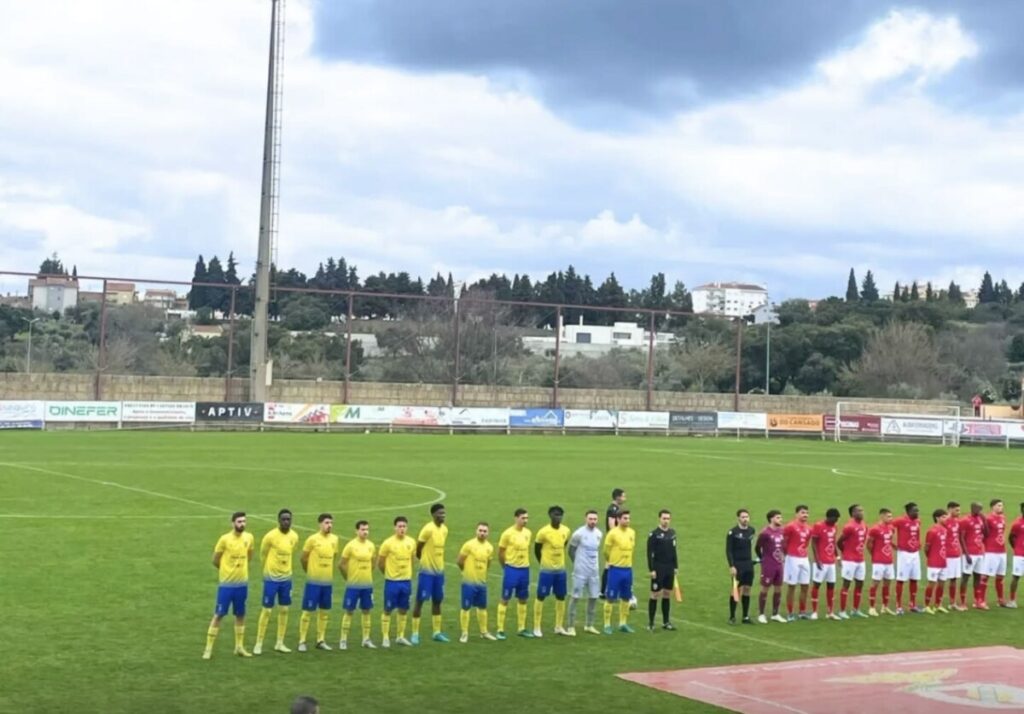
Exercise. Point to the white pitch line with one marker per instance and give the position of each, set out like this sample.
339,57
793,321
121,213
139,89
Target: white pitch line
759,640
751,697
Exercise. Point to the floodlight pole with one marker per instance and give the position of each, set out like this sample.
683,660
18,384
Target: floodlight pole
739,352
28,357
650,363
768,361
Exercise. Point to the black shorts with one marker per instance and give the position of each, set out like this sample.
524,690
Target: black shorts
744,574
664,579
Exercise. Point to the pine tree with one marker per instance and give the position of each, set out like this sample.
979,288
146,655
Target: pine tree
987,292
905,295
868,289
851,288
197,295
1003,293
1020,293
929,292
230,278
896,293
52,266
954,294
74,272
915,295
215,274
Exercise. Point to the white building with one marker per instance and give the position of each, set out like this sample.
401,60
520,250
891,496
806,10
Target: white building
729,299
160,298
595,340
53,294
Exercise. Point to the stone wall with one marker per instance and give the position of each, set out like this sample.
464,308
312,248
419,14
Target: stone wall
132,387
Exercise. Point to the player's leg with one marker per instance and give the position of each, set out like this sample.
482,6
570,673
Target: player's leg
403,593
777,599
652,603
437,597
560,587
1018,571
625,599
220,609
915,579
422,593
574,599
762,599
366,609
830,592
310,599
611,599
929,591
1000,579
545,583
594,592
266,612
817,578
507,587
323,615
480,601
239,597
348,608
666,601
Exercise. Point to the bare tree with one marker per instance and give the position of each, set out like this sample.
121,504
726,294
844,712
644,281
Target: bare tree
703,363
900,359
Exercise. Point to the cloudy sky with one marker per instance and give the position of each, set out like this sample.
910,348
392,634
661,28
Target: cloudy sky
778,142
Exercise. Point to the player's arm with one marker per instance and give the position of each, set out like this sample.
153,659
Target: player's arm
675,557
461,560
962,537
839,544
758,550
218,551
651,544
814,551
343,563
573,546
728,552
382,558
537,549
265,547
606,547
304,558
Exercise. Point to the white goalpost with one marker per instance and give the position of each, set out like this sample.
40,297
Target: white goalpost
910,422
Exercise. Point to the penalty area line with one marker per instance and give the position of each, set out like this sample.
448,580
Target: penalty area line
751,638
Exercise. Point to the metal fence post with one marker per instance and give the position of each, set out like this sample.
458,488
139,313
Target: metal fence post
348,350
739,361
558,355
231,346
458,364
101,356
650,364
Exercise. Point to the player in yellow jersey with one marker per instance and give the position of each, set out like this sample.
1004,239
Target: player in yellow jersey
430,585
276,552
356,567
549,549
514,555
318,553
474,559
394,559
231,558
618,554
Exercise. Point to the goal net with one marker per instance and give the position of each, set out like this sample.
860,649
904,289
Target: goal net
911,421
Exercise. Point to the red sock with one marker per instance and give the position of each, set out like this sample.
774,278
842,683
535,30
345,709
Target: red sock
982,589
999,589
929,593
952,592
856,598
830,593
885,594
873,594
899,594
844,594
803,601
789,601
913,593
963,593
815,589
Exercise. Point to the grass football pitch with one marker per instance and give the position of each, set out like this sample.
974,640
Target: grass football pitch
107,585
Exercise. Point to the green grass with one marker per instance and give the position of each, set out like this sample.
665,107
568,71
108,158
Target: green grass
107,585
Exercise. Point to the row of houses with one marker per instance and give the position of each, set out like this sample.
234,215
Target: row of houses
57,294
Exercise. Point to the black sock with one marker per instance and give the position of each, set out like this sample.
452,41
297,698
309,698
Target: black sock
652,609
746,606
604,581
732,609
664,609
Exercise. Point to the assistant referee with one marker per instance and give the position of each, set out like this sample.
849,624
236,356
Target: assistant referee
663,564
739,542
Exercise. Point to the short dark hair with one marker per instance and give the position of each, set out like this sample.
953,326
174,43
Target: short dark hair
908,507
483,523
624,512
772,513
556,509
952,504
616,492
323,517
664,512
991,503
741,510
852,508
832,513
937,514
883,511
596,513
360,524
399,519
282,512
305,705
436,507
801,507
520,512
236,515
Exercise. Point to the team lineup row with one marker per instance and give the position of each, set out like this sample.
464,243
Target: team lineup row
803,557
553,547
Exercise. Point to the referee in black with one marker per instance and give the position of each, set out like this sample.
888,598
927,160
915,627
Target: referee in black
663,564
739,543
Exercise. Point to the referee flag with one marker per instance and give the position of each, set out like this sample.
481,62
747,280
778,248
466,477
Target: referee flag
735,590
676,590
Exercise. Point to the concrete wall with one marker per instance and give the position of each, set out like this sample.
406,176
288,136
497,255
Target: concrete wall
130,387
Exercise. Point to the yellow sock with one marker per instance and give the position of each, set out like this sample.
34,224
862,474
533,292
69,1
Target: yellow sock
502,612
464,621
346,625
261,626
304,625
367,625
607,614
211,637
481,618
416,625
239,636
282,624
435,620
321,625
521,615
400,625
560,614
538,613
385,625
623,612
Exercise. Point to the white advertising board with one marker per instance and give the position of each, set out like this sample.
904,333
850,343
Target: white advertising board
754,421
643,420
417,416
295,413
590,419
473,416
158,412
83,411
21,414
910,426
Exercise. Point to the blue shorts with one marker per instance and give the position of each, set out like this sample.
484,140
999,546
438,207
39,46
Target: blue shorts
474,595
552,581
516,582
280,590
361,598
430,586
620,584
396,594
233,597
317,596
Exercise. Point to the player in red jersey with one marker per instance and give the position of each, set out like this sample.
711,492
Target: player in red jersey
1017,541
972,538
797,566
954,551
935,555
823,548
851,547
883,571
908,556
994,564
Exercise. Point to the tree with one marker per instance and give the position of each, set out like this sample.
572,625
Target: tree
1016,351
609,294
305,312
987,291
852,295
905,295
215,297
1004,295
868,289
915,295
704,363
954,294
230,278
197,295
896,293
1020,293
929,292
900,360
52,266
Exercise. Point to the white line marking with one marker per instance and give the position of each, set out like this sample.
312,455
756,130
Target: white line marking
751,697
1018,469
759,640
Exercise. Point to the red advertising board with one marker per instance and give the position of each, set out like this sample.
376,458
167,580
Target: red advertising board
858,423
